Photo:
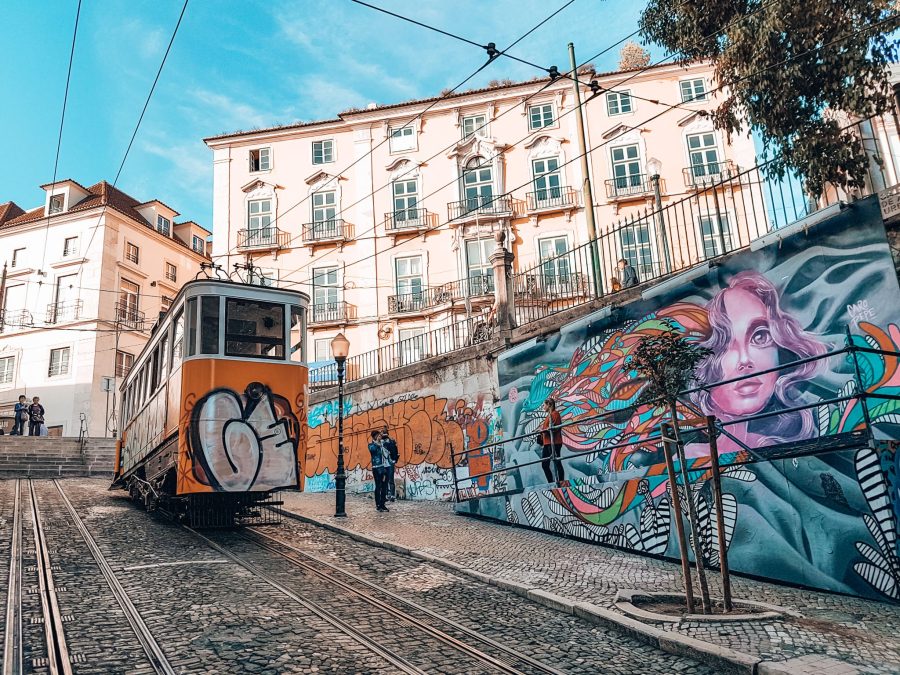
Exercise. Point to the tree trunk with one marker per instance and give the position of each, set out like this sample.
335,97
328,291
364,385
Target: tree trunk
692,511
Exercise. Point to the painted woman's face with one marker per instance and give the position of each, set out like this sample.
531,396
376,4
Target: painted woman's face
751,349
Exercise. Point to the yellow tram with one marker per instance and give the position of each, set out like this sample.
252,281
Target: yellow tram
214,409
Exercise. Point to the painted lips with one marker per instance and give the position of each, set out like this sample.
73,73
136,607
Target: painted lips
748,388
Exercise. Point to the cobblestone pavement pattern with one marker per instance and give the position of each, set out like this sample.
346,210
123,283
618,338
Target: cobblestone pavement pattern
847,631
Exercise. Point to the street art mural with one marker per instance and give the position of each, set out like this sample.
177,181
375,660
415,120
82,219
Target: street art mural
428,430
809,497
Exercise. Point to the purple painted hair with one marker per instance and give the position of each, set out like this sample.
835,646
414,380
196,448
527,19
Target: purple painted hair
790,338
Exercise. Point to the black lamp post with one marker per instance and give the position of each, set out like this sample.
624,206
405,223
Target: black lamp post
340,347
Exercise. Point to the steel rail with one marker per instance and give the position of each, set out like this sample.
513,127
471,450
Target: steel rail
12,641
383,606
57,651
402,664
148,642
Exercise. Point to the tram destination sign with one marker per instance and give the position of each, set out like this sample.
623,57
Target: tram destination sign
889,200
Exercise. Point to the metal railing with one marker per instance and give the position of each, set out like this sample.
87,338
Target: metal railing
458,335
64,311
551,198
17,318
409,302
634,185
331,312
263,238
480,205
129,316
406,220
475,286
701,175
334,229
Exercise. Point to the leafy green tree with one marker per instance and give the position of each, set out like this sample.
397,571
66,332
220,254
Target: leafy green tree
787,68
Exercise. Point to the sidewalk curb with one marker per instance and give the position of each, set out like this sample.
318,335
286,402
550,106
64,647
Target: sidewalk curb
725,660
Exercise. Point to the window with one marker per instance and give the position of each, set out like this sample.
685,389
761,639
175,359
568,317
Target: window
555,265
546,179
260,159
132,253
406,199
124,362
478,184
714,235
412,345
190,327
618,102
479,270
178,341
325,293
198,245
473,124
324,207
540,116
163,225
66,304
403,139
164,303
7,369
129,302
693,90
704,155
70,246
637,249
57,203
323,152
626,169
209,324
323,349
259,220
59,362
408,274
254,328
17,257
171,272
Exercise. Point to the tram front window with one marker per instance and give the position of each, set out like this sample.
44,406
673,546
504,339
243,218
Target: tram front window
254,328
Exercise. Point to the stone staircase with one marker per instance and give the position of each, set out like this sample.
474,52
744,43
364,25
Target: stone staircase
45,457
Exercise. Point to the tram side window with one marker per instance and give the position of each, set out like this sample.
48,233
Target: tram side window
191,327
154,372
209,325
164,355
254,328
178,341
298,326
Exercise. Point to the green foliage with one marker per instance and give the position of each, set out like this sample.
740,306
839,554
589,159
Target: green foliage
667,361
791,71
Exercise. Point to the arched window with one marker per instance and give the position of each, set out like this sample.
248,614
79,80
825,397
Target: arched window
478,183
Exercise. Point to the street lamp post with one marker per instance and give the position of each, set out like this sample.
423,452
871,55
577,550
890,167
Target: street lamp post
340,347
655,166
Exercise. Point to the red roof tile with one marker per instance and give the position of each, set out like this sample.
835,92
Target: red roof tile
8,211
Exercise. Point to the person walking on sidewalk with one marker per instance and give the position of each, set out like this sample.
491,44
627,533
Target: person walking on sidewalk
394,453
551,441
381,469
21,416
36,412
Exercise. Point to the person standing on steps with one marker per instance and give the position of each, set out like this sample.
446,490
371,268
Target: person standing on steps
36,412
627,276
21,416
394,454
551,441
381,469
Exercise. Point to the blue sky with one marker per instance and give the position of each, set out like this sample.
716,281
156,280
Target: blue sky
240,64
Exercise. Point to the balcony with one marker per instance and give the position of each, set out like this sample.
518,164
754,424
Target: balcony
548,286
17,318
481,205
59,312
406,220
704,175
326,231
128,316
266,238
410,302
624,187
552,199
331,312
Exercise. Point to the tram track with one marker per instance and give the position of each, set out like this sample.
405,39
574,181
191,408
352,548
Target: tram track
12,638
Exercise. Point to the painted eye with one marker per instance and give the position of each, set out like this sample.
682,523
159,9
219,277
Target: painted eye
761,337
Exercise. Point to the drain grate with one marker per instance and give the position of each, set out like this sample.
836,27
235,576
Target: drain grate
42,662
66,618
37,620
77,658
33,590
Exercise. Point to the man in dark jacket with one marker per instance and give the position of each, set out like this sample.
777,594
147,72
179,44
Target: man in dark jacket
627,276
381,469
21,415
394,453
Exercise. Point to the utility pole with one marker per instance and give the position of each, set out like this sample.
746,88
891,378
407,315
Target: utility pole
586,186
3,297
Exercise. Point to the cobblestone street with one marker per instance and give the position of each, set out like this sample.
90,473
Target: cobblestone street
833,633
275,599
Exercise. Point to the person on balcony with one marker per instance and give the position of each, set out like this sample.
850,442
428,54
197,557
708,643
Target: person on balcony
627,276
551,441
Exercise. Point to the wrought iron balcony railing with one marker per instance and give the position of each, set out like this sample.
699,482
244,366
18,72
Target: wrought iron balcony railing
637,184
129,316
332,312
406,220
58,312
545,285
335,229
480,205
703,175
263,238
410,302
17,318
551,198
